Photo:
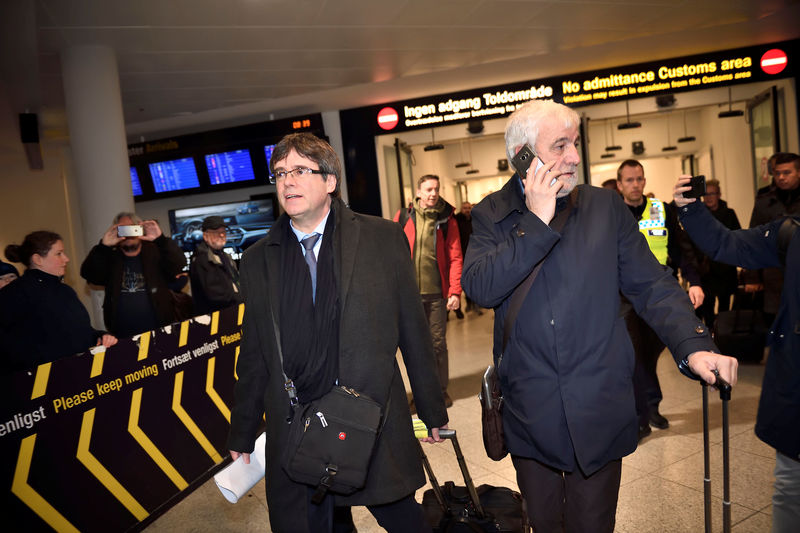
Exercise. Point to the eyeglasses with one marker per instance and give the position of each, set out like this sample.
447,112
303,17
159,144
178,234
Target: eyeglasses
299,172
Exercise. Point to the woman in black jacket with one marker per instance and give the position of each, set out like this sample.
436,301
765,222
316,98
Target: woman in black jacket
41,318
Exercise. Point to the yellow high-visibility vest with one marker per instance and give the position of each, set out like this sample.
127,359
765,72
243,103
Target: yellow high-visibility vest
653,226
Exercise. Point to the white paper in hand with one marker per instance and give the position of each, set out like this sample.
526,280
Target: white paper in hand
236,479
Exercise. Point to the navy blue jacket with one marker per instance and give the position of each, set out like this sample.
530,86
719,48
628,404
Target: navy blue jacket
567,373
41,320
778,421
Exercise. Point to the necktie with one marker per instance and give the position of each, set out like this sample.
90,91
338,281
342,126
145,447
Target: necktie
311,260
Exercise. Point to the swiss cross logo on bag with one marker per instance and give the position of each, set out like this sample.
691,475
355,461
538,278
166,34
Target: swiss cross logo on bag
342,435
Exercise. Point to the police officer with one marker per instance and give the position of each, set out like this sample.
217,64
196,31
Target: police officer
659,225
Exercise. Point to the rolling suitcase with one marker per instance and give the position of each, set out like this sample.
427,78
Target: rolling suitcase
724,395
741,333
452,509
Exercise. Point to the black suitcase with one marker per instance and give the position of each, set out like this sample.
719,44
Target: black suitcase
724,395
741,333
452,509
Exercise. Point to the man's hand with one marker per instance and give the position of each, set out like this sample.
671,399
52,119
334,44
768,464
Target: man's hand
435,435
152,231
107,340
110,237
696,295
540,196
245,456
681,187
453,302
704,363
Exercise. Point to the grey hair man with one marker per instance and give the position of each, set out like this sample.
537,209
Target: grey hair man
566,370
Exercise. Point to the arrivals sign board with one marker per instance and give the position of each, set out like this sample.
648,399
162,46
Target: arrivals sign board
102,441
701,71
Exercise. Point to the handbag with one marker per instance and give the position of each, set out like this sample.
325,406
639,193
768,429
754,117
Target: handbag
331,439
491,395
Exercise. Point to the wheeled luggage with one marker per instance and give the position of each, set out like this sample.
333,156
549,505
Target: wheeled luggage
741,333
450,508
724,395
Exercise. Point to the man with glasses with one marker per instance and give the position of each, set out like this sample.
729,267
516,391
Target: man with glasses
215,278
340,288
718,280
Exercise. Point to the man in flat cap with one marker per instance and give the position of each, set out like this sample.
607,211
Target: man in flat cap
215,278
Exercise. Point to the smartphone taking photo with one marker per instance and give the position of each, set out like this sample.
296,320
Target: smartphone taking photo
134,230
698,185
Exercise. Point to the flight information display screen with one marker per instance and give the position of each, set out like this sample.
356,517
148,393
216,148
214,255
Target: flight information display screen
135,184
230,167
175,175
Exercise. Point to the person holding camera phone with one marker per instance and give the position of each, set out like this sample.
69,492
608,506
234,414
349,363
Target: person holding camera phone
658,222
566,372
41,317
135,263
775,244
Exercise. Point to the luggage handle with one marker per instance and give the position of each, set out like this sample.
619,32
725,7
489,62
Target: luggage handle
725,395
450,434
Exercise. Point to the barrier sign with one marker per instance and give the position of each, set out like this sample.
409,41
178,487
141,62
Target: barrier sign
99,442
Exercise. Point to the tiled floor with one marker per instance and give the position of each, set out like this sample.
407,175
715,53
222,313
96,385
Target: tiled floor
662,482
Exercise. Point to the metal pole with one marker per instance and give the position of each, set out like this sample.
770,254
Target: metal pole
706,462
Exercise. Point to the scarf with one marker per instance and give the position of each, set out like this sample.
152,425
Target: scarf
309,331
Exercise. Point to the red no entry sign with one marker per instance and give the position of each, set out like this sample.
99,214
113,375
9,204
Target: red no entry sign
774,61
387,118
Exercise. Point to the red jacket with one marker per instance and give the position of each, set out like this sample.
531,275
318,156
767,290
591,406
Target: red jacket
448,249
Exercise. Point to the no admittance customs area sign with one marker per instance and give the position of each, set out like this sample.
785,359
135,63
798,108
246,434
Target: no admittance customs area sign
100,441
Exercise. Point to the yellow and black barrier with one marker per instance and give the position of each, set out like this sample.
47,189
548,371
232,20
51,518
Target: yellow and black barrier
101,441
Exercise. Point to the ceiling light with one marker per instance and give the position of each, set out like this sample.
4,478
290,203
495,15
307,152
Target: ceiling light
433,145
473,171
628,125
606,156
462,165
686,138
669,147
730,112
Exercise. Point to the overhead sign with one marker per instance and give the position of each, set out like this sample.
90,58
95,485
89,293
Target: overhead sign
774,61
715,69
100,442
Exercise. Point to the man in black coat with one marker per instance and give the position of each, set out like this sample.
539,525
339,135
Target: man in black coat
718,280
566,373
136,272
215,278
341,289
778,200
778,421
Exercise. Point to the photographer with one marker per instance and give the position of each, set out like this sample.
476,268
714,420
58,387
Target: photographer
136,272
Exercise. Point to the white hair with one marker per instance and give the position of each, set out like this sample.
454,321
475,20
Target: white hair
523,124
133,216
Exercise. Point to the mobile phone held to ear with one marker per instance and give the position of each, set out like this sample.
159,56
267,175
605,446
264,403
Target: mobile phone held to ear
522,161
134,230
698,185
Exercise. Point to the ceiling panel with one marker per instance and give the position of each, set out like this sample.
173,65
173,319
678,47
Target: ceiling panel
177,56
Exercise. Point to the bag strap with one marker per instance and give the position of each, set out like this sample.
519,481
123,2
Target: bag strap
522,289
785,234
288,384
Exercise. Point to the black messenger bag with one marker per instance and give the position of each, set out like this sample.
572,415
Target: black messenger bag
331,441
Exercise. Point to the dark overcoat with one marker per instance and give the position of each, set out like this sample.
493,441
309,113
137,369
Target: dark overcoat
778,420
567,372
380,311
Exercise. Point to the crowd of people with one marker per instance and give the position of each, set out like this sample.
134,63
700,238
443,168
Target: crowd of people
141,271
331,295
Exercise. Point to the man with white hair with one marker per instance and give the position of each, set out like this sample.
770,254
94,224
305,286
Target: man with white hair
566,370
